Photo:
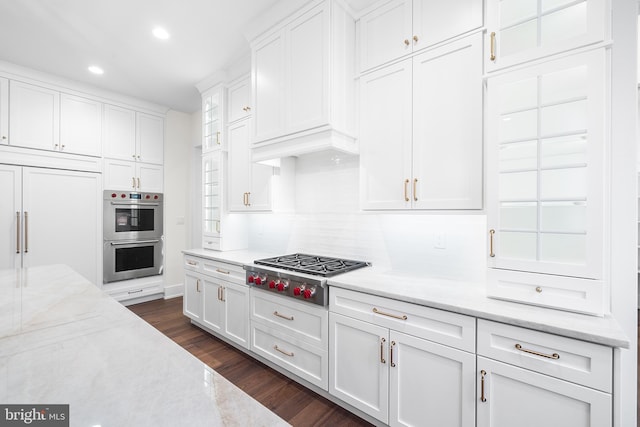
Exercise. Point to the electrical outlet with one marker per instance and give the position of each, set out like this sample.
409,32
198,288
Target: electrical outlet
440,240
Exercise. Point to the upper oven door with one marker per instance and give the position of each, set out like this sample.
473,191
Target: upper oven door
127,219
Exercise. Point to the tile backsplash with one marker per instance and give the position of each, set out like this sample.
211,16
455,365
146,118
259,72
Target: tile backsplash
328,221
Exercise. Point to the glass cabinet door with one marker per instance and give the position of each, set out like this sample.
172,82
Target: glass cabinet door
211,200
545,135
211,121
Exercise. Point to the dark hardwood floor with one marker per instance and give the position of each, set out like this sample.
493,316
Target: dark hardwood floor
292,402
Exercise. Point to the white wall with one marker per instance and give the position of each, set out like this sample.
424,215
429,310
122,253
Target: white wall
177,213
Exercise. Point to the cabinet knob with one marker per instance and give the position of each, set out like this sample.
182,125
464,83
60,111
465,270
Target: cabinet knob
415,39
4,138
407,42
133,155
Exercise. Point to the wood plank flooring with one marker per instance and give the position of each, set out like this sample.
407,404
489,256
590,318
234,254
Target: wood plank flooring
292,402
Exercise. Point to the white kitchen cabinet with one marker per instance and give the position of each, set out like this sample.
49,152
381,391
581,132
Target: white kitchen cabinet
132,176
4,110
420,148
34,116
520,31
541,379
545,192
249,183
401,378
302,80
239,99
133,136
80,125
217,299
400,27
36,224
212,118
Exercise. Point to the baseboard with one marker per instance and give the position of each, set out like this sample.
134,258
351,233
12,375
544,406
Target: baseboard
173,291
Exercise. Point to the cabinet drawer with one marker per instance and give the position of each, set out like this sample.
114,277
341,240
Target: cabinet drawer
192,263
309,363
564,293
305,322
573,360
222,270
211,243
452,329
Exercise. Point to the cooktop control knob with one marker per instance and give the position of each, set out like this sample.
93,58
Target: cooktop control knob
272,284
297,291
308,293
251,279
258,280
283,286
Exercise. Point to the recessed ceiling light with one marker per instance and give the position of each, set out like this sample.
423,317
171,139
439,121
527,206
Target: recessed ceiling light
96,70
160,33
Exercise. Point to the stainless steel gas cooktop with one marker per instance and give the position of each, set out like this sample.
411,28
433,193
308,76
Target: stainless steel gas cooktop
311,264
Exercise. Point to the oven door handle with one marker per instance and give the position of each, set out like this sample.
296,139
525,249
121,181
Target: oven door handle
133,242
134,204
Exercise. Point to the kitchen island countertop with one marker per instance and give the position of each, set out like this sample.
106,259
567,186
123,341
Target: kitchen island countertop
63,341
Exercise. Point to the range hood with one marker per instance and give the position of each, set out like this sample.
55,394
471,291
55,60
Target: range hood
325,138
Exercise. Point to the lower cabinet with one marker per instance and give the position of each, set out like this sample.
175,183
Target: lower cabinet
397,378
530,378
214,301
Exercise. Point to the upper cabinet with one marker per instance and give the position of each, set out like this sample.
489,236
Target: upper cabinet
80,125
34,115
519,31
239,99
400,27
302,80
4,110
134,136
419,149
212,118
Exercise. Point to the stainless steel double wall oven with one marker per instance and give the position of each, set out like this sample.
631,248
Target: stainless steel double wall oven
133,239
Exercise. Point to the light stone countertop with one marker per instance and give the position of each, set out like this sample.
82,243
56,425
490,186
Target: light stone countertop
462,297
63,341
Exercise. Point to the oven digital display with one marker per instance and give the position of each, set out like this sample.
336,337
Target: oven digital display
137,196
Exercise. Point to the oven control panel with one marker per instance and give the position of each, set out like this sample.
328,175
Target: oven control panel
132,197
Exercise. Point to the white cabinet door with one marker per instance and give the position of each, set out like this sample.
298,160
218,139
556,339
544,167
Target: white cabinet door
249,183
430,381
34,115
212,119
447,126
119,133
307,85
268,82
385,137
11,216
236,321
80,125
545,135
385,33
213,306
149,138
4,110
119,175
70,233
508,395
437,21
192,304
519,31
239,100
358,365
150,178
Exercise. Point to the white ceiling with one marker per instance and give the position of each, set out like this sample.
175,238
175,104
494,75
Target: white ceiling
64,37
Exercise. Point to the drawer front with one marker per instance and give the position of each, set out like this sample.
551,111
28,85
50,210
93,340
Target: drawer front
569,359
192,263
212,243
309,363
564,293
218,269
452,329
305,322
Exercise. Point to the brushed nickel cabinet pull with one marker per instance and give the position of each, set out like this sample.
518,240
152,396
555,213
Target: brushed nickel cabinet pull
395,316
493,46
393,365
218,137
554,356
406,196
192,263
491,233
222,297
248,199
275,313
222,271
483,373
415,189
245,199
219,297
382,341
133,182
134,292
17,232
26,232
197,285
138,183
217,226
286,353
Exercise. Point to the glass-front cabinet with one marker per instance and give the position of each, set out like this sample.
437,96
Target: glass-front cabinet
211,199
212,119
545,140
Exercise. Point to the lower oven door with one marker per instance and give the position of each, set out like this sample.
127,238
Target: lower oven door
130,259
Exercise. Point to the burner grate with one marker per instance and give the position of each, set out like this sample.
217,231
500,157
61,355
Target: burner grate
311,264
